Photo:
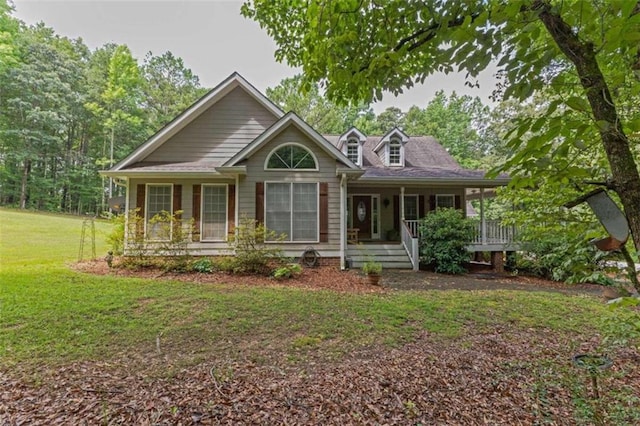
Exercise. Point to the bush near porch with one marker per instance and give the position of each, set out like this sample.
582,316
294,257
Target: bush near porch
445,233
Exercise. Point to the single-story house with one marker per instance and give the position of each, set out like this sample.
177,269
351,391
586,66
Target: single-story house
235,154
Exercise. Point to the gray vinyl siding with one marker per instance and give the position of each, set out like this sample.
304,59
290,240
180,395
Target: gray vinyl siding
326,173
218,133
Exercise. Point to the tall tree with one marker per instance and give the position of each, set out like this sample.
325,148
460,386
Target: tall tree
458,124
36,96
584,51
119,108
8,30
169,88
309,103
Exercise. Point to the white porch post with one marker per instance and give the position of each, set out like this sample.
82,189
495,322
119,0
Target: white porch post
401,205
343,221
127,194
237,209
483,223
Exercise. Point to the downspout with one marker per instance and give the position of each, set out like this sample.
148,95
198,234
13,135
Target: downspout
343,221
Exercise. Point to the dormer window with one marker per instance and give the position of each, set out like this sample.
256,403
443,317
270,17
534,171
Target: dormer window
395,157
390,149
350,143
353,150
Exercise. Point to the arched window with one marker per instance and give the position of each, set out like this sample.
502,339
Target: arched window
292,157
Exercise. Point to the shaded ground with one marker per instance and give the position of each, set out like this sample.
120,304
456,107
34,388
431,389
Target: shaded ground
500,375
480,277
503,377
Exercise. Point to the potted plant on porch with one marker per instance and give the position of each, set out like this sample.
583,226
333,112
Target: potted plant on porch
372,269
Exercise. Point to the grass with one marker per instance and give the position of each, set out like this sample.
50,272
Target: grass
53,315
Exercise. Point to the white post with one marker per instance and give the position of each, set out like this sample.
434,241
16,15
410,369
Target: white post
401,204
483,223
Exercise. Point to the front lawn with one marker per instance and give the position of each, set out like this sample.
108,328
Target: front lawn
221,349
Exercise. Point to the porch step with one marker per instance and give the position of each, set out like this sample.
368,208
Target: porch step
391,256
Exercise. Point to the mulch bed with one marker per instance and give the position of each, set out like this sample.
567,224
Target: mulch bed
480,277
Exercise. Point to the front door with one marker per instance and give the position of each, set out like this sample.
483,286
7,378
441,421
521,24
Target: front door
362,215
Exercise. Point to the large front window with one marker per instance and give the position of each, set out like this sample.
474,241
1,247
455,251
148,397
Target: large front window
292,210
214,212
158,201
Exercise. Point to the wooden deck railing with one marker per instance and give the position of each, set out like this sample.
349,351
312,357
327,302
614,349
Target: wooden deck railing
494,232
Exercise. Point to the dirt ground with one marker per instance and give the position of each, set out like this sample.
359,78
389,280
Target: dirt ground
480,277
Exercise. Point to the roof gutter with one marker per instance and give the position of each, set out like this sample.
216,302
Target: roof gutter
440,181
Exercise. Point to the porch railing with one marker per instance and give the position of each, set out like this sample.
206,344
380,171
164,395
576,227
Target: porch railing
413,226
410,243
494,232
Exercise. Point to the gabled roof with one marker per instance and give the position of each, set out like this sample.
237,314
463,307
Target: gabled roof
393,132
193,112
290,119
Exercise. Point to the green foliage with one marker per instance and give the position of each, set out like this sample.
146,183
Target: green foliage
566,257
253,255
621,325
53,145
556,238
574,63
115,238
308,102
372,267
203,265
445,233
287,271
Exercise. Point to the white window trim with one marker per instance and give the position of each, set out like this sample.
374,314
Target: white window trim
358,162
452,196
264,219
226,213
315,159
388,153
146,210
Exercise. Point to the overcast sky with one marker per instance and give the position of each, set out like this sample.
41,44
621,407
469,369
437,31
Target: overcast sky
211,36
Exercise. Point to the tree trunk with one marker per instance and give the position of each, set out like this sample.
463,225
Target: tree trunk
626,180
23,186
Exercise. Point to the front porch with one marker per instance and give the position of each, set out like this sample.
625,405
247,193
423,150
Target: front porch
491,236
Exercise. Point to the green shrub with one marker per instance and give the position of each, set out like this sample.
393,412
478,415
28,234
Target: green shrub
203,265
115,238
371,267
287,271
445,233
252,254
225,264
564,257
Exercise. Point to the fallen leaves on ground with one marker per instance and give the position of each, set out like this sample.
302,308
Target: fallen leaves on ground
505,377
